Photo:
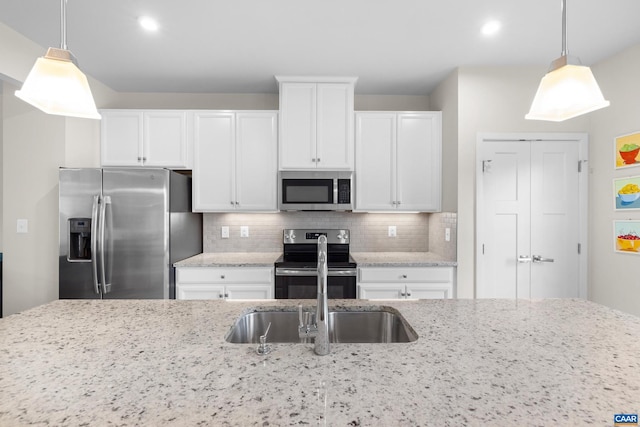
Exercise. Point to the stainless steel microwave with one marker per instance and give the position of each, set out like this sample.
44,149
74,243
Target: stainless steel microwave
315,190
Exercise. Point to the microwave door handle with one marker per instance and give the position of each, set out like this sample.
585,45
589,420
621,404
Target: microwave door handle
335,191
94,243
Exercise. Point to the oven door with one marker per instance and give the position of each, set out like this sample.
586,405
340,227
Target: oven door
303,284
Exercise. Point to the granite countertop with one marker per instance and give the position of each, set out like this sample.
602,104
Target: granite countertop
165,362
230,259
401,259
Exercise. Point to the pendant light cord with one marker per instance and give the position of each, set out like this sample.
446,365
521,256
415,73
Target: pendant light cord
63,24
565,51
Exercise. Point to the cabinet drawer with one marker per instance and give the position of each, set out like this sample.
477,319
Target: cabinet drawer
406,274
224,275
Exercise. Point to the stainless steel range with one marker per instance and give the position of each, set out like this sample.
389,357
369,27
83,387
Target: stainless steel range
296,270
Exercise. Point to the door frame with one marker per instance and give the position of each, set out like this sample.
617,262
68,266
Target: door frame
583,142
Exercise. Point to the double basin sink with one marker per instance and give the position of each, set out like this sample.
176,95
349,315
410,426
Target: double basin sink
352,325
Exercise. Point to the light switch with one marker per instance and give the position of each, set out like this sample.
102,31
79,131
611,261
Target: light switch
392,231
224,232
244,231
23,226
447,234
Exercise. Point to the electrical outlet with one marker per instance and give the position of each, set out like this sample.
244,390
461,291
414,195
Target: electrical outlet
447,234
22,226
392,231
224,231
244,231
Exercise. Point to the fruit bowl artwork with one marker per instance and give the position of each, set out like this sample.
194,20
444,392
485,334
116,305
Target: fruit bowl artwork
629,242
629,193
629,152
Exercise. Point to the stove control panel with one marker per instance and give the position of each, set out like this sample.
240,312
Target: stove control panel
292,236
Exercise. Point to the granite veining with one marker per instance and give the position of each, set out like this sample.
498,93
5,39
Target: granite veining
401,259
230,259
165,362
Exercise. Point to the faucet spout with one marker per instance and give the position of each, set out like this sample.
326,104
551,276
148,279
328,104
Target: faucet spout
322,308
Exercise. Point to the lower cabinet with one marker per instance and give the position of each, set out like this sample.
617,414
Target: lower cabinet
405,282
231,283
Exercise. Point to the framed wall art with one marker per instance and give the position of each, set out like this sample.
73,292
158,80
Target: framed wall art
627,150
626,236
627,193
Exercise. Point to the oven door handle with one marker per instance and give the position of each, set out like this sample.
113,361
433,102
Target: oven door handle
343,272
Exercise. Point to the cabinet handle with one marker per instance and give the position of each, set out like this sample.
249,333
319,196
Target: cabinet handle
404,276
393,202
318,160
144,159
313,160
408,294
232,203
222,276
399,202
237,203
221,296
402,294
226,295
139,159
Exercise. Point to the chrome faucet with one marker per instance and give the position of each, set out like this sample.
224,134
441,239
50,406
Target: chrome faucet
319,330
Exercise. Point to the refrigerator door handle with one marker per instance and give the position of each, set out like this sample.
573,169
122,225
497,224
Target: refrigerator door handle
106,287
94,243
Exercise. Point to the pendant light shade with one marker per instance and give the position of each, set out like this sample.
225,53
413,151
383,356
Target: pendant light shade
56,85
568,89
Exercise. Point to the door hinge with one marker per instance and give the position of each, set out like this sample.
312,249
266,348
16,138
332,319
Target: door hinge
485,165
580,162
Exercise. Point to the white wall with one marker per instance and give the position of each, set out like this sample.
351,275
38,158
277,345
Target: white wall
491,99
445,98
614,277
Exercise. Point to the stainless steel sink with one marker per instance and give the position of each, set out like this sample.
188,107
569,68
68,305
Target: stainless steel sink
357,325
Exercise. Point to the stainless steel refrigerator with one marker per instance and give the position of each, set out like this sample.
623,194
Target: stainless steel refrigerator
121,230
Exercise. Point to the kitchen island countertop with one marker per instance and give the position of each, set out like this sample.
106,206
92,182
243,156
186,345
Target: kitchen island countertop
162,362
401,259
230,259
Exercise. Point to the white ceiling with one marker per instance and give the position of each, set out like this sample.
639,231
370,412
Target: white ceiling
394,46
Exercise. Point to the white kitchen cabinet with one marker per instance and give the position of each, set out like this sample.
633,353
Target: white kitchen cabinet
235,165
231,283
405,282
316,123
151,138
398,161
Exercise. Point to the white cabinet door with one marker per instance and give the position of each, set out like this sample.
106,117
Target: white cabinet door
199,291
419,162
235,165
334,147
241,291
121,138
256,161
316,124
375,161
165,139
398,161
381,291
214,162
297,125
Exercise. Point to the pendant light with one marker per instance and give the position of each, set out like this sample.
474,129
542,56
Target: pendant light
568,89
56,85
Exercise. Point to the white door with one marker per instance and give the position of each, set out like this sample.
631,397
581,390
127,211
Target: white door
334,148
165,139
529,219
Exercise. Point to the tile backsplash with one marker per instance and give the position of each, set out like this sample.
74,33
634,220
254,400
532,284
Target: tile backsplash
369,231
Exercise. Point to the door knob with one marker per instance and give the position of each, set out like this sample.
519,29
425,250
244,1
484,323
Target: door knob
524,258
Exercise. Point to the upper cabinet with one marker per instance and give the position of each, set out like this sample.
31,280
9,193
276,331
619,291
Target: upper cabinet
398,161
235,161
153,138
316,123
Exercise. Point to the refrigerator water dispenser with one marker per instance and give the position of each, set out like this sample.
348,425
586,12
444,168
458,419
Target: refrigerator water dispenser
79,240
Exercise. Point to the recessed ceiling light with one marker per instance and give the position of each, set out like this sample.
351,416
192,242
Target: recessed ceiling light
491,28
148,23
